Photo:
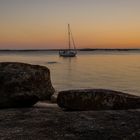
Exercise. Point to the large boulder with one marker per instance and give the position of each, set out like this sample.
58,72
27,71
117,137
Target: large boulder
96,99
23,84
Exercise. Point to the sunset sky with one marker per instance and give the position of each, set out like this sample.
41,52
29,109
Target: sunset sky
42,24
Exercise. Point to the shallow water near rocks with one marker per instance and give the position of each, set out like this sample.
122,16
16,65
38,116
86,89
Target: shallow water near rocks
96,69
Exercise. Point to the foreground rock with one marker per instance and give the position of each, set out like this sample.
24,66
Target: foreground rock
51,123
23,84
96,99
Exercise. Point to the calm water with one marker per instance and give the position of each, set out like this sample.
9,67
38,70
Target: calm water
97,69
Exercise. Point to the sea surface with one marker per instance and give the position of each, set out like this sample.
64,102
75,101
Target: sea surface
117,70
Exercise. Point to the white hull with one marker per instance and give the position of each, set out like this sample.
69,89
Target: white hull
67,53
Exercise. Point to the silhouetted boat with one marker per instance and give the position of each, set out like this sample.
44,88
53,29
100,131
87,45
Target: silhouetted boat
70,52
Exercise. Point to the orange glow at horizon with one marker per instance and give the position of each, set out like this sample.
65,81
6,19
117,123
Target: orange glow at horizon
87,37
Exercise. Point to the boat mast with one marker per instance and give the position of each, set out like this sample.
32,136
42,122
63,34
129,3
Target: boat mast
73,42
69,35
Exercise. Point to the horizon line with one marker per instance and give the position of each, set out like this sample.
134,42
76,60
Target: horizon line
82,49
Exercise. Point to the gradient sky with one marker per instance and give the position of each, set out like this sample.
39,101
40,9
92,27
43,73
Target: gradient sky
27,24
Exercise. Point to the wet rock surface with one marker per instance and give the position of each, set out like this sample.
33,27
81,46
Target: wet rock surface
97,99
23,84
52,123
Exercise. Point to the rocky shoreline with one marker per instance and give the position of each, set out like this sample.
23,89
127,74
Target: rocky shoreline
48,122
86,114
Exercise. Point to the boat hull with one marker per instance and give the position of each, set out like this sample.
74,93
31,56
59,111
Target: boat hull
67,53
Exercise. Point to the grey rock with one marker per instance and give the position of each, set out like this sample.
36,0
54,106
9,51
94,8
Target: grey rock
97,99
23,84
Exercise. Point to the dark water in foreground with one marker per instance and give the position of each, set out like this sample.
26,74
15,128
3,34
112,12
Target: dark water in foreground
96,69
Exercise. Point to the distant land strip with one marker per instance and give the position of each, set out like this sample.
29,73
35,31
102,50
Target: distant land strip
84,49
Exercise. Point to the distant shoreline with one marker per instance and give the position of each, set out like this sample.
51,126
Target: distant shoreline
85,49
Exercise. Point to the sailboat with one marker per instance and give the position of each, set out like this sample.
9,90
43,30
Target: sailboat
70,52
